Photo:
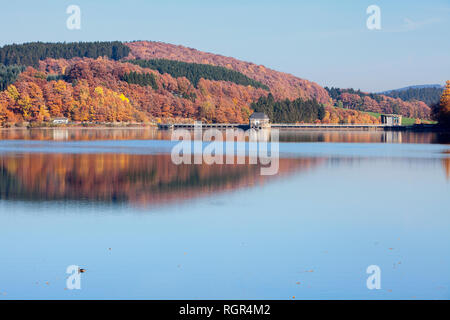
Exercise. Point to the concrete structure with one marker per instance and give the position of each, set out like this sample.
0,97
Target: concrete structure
391,120
60,121
259,120
202,125
279,126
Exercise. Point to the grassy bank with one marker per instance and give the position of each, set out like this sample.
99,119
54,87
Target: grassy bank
405,121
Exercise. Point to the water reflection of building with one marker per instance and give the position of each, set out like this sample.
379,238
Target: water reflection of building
60,134
392,136
148,133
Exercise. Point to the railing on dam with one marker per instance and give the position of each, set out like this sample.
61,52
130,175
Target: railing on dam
274,125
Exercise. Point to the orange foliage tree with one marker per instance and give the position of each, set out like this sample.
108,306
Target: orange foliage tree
444,110
93,90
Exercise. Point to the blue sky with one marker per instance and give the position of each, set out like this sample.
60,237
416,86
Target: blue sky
323,41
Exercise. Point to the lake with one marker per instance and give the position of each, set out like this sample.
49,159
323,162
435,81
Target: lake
112,201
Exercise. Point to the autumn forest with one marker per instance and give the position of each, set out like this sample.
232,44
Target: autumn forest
152,82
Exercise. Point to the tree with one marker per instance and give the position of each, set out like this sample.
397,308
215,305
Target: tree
288,111
207,111
444,110
428,95
29,54
373,102
195,71
8,75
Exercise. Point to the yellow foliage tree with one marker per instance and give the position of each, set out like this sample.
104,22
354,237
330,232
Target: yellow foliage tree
44,114
207,110
99,91
444,111
123,98
13,93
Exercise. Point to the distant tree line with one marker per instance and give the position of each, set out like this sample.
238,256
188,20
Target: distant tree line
142,79
430,96
335,93
287,111
29,54
8,75
195,71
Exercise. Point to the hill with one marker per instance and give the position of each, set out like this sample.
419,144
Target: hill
151,82
282,85
378,103
420,86
430,94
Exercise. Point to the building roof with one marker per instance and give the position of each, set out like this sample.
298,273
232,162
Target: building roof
392,115
259,115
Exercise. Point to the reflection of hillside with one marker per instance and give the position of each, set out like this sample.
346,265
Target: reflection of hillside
354,136
151,133
86,134
122,177
446,164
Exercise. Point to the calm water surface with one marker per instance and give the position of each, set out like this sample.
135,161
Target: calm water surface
113,202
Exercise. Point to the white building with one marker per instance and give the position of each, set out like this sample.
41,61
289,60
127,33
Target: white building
60,121
259,120
391,119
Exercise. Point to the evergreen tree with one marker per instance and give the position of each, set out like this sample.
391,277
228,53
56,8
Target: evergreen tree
428,95
8,75
29,54
194,72
287,111
142,79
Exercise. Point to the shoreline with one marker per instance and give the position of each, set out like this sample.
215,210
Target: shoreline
221,126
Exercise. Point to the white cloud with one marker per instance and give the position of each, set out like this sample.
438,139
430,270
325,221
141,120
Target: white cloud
411,25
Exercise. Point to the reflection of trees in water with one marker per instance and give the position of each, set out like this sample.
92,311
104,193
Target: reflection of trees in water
84,134
446,164
358,136
122,177
147,133
442,138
